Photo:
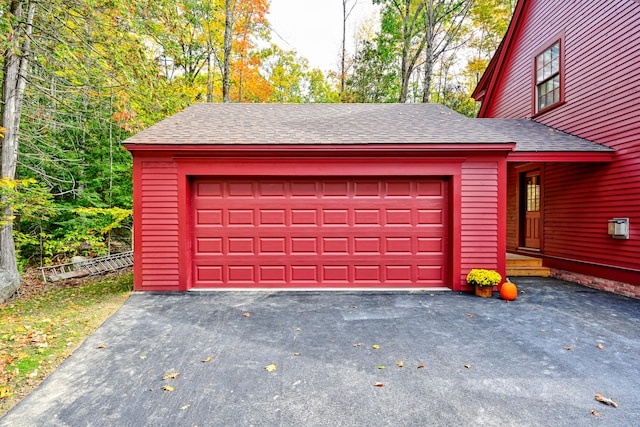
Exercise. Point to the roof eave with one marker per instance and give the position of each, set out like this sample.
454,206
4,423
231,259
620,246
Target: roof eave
432,147
563,156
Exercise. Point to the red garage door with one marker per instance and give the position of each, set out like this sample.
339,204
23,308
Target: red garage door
320,232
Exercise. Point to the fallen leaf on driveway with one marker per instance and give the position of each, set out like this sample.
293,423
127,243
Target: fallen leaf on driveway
600,398
296,354
101,346
185,407
600,346
380,367
171,375
167,388
568,347
246,314
4,392
470,315
421,365
379,384
208,359
358,344
376,346
400,364
468,366
271,368
595,413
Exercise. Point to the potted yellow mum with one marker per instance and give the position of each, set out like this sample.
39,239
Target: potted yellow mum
484,281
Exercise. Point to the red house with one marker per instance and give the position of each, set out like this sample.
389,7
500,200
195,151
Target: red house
330,195
575,67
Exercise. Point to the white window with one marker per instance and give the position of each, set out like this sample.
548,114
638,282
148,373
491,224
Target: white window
548,81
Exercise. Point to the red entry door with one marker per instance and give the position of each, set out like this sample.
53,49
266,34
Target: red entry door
532,210
326,233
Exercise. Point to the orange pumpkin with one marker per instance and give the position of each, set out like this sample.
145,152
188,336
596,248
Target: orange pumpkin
508,291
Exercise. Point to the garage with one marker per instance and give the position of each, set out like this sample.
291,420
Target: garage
317,196
320,233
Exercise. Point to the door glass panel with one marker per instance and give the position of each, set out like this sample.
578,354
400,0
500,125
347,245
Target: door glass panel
533,194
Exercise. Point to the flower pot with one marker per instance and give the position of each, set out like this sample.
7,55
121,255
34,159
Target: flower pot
484,291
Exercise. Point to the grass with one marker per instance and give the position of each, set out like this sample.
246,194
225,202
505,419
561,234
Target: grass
44,324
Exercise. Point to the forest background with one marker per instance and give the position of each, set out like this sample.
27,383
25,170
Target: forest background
81,76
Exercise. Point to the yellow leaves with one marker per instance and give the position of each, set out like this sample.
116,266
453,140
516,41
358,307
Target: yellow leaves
376,346
606,400
400,364
422,365
2,131
114,217
185,407
13,183
171,375
270,368
5,392
208,359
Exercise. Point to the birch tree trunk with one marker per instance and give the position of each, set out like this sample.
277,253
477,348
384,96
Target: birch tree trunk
228,33
13,85
343,53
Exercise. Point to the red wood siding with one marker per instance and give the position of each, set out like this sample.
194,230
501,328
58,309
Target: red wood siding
602,88
601,39
473,193
481,223
329,232
158,224
577,211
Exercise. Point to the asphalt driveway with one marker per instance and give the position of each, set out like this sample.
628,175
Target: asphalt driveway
332,359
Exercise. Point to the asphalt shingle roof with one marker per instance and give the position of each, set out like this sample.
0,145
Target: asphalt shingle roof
313,124
341,124
531,136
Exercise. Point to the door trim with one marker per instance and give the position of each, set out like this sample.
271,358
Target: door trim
523,173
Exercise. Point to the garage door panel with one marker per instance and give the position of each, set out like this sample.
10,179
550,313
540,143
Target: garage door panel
326,232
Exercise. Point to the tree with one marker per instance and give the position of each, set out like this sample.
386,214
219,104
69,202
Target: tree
346,12
230,6
16,62
285,72
422,28
489,20
321,89
375,72
443,20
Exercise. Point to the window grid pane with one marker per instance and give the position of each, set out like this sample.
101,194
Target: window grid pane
548,77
